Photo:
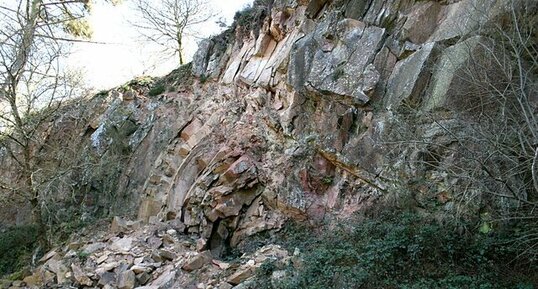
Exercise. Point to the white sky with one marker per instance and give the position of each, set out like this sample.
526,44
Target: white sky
106,66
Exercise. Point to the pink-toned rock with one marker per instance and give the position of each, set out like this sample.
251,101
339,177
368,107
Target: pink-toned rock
126,280
191,129
47,256
237,168
422,21
221,265
241,275
201,244
184,150
80,277
197,261
148,208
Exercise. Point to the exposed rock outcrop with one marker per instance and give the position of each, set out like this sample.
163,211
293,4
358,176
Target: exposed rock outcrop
298,116
307,119
137,260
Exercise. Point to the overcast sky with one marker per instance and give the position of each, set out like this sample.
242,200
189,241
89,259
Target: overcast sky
123,58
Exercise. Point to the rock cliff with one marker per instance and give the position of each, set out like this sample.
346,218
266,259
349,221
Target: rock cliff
302,119
314,111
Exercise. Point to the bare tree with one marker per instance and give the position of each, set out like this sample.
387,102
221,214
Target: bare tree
482,151
35,36
168,22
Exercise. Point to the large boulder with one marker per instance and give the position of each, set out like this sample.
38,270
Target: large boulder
336,59
449,69
463,17
211,57
409,77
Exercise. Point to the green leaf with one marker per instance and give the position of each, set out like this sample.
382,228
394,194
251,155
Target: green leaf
485,228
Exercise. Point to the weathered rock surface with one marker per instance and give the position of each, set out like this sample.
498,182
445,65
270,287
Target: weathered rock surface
301,120
112,267
409,77
197,261
295,120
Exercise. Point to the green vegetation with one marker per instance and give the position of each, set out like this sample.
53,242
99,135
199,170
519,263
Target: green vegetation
16,245
338,73
157,89
204,78
179,77
399,250
82,255
155,86
252,17
139,83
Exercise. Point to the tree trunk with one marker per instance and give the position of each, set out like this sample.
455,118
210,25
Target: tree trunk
21,61
33,192
27,40
180,47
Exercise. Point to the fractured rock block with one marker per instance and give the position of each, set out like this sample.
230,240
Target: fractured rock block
450,69
241,275
327,61
122,245
93,247
237,168
261,44
421,22
143,278
154,180
107,278
197,261
314,7
191,129
126,280
121,225
409,77
148,208
167,255
80,277
165,280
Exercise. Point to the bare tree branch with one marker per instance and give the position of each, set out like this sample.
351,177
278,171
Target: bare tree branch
34,40
168,22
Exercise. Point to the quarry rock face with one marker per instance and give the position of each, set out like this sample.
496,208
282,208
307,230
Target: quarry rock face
297,122
291,126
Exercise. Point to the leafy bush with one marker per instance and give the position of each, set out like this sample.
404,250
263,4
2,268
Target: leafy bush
16,245
401,250
157,89
177,78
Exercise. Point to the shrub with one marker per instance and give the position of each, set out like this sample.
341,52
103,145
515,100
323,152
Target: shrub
483,155
16,245
179,77
398,250
157,89
251,18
